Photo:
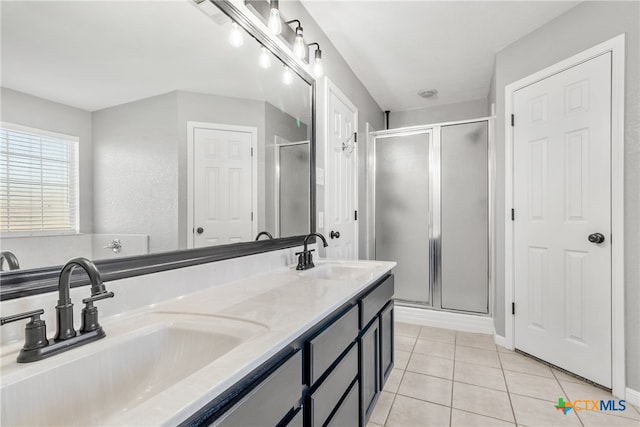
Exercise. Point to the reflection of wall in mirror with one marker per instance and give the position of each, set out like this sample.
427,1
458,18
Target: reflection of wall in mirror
133,160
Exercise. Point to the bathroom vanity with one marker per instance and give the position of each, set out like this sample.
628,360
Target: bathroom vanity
285,347
230,334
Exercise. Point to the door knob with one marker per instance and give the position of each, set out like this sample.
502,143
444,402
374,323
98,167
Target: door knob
596,238
334,234
199,230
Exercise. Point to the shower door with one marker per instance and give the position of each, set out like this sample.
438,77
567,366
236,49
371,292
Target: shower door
401,207
431,216
464,226
292,193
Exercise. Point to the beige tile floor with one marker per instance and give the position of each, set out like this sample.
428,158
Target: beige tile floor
447,378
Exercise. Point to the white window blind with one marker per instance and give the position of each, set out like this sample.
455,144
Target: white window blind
38,181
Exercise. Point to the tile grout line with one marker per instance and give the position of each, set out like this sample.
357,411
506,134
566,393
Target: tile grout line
504,377
453,377
565,393
404,371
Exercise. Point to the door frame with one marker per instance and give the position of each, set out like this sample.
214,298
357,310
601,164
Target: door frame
327,87
191,127
616,46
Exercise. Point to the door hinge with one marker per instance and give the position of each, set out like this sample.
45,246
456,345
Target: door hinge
355,215
513,120
251,151
513,308
251,216
513,214
355,137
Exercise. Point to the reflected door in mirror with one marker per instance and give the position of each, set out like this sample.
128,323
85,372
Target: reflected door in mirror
222,186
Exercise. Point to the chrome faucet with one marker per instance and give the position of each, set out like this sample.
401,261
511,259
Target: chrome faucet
11,258
264,233
37,346
305,258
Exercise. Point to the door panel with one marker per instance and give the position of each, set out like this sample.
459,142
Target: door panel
222,187
341,179
402,212
465,217
562,140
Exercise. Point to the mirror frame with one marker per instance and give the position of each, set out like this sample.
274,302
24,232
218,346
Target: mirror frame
17,283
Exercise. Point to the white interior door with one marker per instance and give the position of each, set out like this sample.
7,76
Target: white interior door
562,195
222,187
341,191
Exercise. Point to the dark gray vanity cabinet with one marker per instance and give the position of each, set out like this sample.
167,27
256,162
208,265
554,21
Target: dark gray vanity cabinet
297,420
386,341
348,413
332,375
370,367
376,343
271,400
332,366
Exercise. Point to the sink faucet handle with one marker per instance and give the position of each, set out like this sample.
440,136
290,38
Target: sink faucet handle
35,331
34,315
98,297
90,313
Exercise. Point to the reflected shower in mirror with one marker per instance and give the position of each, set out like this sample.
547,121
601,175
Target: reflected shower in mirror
139,127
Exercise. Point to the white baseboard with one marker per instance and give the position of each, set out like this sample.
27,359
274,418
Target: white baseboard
444,319
633,396
500,340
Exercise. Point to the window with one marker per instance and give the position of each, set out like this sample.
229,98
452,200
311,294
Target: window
38,181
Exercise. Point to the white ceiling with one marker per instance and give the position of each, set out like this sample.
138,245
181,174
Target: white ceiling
97,54
397,48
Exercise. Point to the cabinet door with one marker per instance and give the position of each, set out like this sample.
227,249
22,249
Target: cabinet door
270,401
386,342
323,401
296,420
348,414
369,368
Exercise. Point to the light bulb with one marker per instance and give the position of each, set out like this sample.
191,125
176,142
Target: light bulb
287,76
235,36
264,60
275,23
318,69
299,48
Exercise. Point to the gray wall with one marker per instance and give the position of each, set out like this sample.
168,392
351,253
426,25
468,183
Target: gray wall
337,69
141,153
277,123
136,170
27,110
200,107
578,29
440,114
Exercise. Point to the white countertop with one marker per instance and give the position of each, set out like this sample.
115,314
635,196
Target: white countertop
286,304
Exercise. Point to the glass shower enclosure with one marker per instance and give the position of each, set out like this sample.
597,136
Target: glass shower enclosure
431,190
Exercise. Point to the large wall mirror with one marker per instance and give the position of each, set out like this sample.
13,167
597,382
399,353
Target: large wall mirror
143,127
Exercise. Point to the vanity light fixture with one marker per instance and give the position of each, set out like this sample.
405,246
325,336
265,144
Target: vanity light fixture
264,60
287,76
317,68
236,39
299,47
275,22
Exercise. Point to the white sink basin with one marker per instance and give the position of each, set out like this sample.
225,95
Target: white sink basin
139,358
339,270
